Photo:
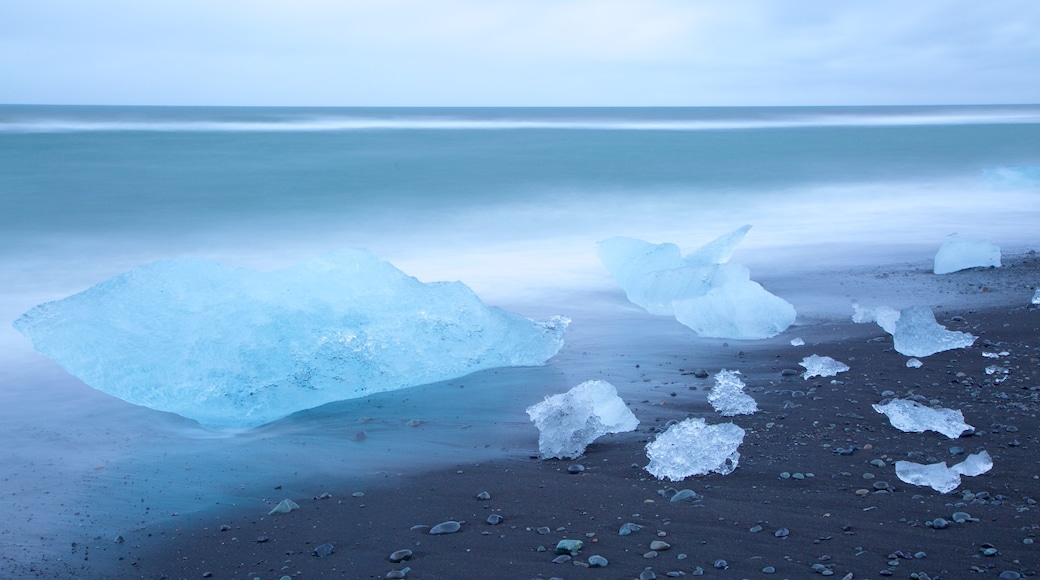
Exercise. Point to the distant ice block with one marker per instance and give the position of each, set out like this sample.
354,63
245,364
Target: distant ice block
694,448
822,366
914,330
959,253
702,290
728,396
236,348
913,417
569,421
941,478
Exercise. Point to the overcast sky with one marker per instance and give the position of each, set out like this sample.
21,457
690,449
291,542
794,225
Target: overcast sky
519,52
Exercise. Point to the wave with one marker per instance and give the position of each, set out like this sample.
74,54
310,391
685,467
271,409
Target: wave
580,120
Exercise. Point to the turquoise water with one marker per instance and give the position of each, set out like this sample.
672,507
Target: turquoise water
509,201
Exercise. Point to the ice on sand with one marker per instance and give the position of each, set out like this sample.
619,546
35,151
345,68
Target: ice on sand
914,330
913,417
728,396
959,253
235,348
694,448
822,366
569,421
941,478
1036,296
701,290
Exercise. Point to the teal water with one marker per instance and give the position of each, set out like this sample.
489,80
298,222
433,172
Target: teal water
509,201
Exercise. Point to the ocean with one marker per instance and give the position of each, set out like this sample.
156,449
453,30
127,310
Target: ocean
508,201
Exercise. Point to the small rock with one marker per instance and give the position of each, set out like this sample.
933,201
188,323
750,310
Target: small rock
483,496
571,547
659,546
324,550
597,561
400,555
494,519
448,527
721,564
782,533
576,468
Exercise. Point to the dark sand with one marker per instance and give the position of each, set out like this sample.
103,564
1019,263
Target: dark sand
828,523
800,425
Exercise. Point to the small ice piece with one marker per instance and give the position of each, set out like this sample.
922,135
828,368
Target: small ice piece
918,334
234,348
797,342
885,316
914,364
728,396
822,366
285,506
702,290
1036,296
694,448
990,355
912,417
959,253
941,478
569,421
994,370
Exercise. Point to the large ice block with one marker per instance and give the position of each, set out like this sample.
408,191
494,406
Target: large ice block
694,448
702,290
236,348
959,253
913,417
941,478
569,421
728,396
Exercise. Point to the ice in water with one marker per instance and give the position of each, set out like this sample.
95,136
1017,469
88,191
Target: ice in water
822,366
702,290
569,421
913,417
728,396
914,330
694,448
236,348
941,478
959,253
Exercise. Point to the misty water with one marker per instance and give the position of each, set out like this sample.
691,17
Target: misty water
508,201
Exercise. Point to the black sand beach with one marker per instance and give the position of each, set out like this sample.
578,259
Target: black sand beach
794,508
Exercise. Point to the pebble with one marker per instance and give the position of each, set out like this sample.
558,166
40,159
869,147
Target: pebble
324,550
448,527
755,529
721,564
769,570
961,517
939,524
400,556
483,496
782,533
261,539
647,575
597,561
571,547
1009,575
650,554
398,573
576,468
686,494
561,559
628,528
658,545
494,519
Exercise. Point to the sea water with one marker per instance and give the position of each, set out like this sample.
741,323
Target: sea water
509,201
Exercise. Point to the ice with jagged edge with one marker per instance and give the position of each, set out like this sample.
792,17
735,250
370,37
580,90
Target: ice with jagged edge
728,396
694,448
568,422
959,253
914,330
912,417
236,348
701,290
941,478
822,366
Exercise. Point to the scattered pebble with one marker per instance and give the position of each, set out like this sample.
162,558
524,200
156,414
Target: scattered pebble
324,550
400,556
448,527
576,468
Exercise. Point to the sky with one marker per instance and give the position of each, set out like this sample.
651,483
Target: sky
519,52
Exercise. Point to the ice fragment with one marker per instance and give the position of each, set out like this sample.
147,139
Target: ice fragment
885,316
569,421
728,396
913,417
914,330
959,253
702,290
941,478
797,342
822,366
914,364
285,506
694,448
1036,296
236,348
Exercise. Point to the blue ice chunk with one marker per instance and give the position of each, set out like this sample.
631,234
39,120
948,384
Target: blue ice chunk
236,348
702,290
959,253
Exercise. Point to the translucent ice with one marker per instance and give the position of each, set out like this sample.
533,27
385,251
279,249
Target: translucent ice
959,253
236,348
914,330
702,290
913,417
728,396
941,478
822,366
1036,296
694,448
797,342
568,422
913,363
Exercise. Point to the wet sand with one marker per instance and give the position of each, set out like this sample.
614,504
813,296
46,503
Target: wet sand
815,520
